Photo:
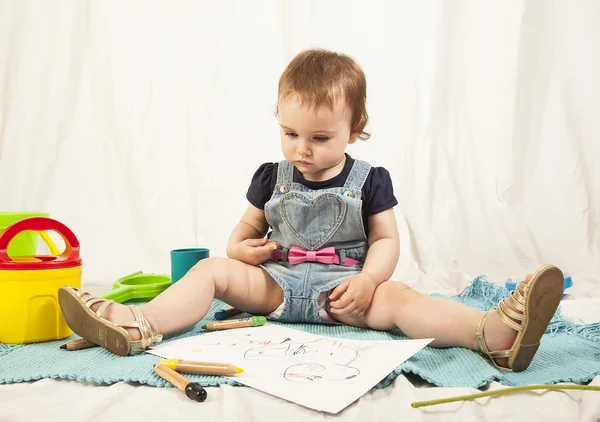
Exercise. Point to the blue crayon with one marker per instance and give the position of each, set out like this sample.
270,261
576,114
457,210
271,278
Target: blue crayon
226,313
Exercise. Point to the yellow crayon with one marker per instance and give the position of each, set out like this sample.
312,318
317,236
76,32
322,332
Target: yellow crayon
206,368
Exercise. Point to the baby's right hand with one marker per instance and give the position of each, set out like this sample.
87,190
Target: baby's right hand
254,251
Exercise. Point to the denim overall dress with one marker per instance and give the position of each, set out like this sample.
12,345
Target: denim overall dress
322,240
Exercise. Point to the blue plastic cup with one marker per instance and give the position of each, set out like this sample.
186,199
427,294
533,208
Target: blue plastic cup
182,260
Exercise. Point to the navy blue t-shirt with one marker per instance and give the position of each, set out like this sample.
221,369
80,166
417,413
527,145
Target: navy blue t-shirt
377,191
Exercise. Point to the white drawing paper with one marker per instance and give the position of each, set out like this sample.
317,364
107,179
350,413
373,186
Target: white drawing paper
322,373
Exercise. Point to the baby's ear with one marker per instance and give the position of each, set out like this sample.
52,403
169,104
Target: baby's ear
357,130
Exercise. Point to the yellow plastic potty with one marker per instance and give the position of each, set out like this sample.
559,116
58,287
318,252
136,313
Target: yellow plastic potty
29,310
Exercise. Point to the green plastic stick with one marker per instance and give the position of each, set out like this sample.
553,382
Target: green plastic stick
505,391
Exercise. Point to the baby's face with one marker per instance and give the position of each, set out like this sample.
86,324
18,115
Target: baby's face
315,140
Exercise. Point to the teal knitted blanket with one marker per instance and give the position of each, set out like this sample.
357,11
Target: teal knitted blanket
568,353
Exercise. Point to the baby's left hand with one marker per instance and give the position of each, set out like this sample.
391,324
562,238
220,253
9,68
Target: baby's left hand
353,297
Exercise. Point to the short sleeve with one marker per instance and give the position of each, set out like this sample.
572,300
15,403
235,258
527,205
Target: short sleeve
262,185
378,192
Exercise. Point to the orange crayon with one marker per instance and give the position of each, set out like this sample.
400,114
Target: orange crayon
191,389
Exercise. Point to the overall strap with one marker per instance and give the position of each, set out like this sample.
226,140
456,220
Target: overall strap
358,175
285,172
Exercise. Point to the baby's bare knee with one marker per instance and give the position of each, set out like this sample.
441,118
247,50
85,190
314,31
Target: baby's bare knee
207,264
398,292
213,269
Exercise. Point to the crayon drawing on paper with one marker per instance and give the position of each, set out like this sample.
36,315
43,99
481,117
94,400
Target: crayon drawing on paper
323,373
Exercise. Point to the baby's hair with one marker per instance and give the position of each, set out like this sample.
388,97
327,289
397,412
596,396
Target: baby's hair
319,77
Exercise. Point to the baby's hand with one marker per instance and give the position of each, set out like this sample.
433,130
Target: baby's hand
353,297
254,251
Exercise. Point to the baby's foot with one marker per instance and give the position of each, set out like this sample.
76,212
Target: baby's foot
498,335
117,313
102,322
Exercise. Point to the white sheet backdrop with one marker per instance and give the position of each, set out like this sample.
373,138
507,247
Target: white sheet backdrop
140,123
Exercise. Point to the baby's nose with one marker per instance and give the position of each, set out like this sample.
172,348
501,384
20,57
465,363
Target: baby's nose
302,148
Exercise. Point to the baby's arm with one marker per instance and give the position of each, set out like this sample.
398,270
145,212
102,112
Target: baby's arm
384,246
247,242
353,297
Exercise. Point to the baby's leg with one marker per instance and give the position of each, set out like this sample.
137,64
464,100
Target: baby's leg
419,316
245,287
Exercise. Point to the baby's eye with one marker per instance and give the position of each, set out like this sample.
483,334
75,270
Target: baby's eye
321,138
291,134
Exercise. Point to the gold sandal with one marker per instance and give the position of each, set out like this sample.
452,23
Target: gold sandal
90,325
537,301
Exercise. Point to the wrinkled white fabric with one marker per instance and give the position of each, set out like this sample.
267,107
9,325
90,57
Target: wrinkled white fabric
140,124
60,400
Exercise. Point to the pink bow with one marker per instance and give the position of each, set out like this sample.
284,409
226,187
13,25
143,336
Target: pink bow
296,255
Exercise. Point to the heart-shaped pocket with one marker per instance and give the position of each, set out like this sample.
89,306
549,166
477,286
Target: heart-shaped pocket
312,221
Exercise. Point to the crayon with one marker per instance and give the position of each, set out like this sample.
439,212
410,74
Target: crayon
254,321
206,368
191,389
226,313
78,344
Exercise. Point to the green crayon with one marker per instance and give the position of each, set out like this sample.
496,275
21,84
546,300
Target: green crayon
254,321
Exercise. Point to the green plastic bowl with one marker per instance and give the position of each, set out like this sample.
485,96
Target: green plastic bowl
25,243
138,287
